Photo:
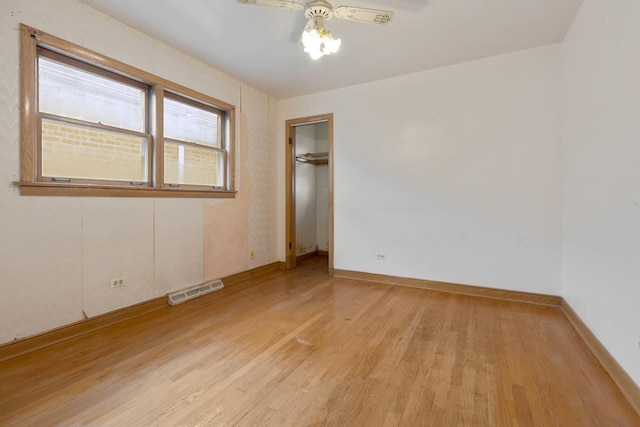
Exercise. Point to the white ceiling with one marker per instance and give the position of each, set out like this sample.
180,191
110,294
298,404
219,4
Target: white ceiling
259,45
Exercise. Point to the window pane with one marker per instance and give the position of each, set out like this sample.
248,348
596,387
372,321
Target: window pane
188,123
72,151
72,92
185,164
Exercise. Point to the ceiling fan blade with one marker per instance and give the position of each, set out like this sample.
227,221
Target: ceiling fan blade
359,14
307,26
283,4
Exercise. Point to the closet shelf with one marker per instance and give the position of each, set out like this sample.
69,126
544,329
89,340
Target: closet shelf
313,158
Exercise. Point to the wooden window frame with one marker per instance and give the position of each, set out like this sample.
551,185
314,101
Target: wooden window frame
32,184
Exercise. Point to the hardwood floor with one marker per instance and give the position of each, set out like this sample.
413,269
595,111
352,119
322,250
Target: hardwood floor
315,264
299,348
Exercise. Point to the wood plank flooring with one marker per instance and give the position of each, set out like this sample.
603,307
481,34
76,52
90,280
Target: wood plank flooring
299,348
316,264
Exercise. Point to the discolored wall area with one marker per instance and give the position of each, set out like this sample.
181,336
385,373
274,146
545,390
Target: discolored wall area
57,254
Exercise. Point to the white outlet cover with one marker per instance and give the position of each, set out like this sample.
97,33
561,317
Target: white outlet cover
116,283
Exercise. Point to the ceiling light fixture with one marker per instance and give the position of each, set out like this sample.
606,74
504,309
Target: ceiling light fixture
316,39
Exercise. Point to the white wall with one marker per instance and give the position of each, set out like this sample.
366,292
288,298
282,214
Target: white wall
305,189
57,253
601,174
452,173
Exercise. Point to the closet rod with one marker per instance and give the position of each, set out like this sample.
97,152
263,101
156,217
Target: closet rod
313,158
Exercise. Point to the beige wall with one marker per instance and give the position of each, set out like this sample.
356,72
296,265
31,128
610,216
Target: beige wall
57,254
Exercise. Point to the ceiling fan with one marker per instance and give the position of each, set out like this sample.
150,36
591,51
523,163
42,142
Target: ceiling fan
316,39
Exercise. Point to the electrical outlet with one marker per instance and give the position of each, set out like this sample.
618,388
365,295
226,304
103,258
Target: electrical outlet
252,254
117,282
381,257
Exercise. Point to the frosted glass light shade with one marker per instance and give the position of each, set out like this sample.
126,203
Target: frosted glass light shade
317,42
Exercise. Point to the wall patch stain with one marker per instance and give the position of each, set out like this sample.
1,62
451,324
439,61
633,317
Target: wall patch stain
226,223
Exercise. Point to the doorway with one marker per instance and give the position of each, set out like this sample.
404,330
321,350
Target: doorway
309,186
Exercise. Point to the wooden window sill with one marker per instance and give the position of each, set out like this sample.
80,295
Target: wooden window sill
90,190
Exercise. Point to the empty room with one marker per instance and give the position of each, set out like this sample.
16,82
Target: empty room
342,213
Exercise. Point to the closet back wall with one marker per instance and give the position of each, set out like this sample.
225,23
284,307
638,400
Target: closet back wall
311,188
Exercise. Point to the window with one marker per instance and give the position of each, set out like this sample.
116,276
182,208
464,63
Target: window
194,151
93,126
